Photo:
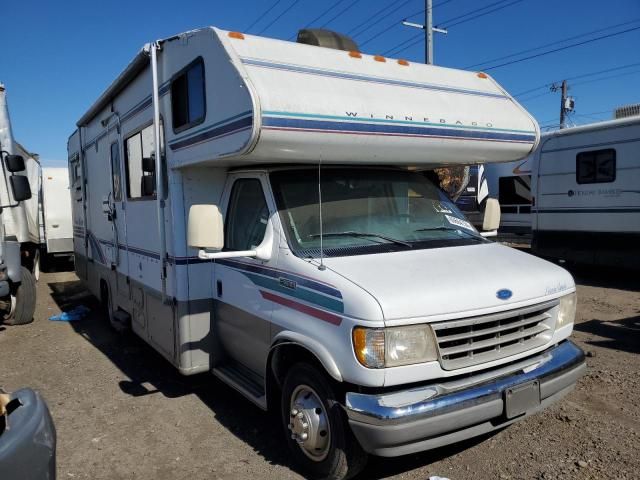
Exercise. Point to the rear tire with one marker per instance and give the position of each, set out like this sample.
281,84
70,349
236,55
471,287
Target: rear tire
23,300
324,446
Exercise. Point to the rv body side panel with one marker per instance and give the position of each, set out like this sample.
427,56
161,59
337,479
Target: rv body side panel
587,194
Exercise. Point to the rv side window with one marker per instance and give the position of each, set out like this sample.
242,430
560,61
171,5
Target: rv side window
141,183
115,172
597,166
188,97
515,190
247,216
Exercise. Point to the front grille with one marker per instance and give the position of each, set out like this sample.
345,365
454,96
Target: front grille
471,341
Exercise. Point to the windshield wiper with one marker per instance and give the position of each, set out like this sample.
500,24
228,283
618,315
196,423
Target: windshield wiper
362,234
451,229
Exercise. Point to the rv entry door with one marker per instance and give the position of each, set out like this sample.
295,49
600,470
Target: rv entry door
117,217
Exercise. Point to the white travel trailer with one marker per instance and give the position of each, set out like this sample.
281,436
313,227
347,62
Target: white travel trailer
244,205
56,225
587,194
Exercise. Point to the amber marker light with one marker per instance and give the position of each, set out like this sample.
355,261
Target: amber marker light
355,54
404,63
482,75
379,58
237,35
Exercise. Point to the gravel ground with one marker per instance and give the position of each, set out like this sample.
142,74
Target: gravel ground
122,412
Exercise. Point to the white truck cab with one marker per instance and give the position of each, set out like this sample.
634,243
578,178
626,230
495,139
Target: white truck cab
288,239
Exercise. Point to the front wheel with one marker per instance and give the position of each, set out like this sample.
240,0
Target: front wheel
23,300
316,428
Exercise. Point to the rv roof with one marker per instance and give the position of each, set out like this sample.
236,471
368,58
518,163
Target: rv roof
619,122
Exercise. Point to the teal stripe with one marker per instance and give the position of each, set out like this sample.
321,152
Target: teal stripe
299,292
402,122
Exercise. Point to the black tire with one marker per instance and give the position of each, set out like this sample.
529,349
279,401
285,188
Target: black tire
343,457
25,300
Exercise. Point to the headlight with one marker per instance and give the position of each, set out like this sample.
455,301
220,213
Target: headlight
567,310
392,347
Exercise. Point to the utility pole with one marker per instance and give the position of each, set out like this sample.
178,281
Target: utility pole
567,103
428,31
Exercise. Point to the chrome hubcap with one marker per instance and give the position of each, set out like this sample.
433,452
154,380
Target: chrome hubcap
309,423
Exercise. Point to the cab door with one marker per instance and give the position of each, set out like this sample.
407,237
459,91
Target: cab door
242,314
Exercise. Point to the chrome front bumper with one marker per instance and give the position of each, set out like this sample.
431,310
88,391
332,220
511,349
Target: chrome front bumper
408,421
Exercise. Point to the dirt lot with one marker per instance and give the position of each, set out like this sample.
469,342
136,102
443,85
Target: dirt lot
122,411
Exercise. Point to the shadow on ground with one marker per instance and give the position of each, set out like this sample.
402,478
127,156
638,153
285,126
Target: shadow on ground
150,374
623,334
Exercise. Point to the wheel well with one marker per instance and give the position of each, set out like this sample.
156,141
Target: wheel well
282,357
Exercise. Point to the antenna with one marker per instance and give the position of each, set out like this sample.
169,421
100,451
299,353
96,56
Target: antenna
321,266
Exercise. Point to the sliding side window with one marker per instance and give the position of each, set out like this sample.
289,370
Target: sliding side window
140,163
596,166
188,97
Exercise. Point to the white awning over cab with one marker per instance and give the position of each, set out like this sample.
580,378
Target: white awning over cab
315,104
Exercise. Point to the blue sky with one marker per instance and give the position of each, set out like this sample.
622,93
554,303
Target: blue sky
57,57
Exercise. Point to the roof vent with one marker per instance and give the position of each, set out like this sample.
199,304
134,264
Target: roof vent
627,111
327,39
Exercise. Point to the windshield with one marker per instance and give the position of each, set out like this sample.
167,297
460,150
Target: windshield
367,211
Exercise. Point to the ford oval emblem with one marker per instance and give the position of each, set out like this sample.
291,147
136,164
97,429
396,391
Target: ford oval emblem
504,294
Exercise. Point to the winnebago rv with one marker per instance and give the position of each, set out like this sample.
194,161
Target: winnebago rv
245,206
587,194
17,285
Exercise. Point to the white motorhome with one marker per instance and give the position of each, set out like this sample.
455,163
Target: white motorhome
17,231
587,192
277,238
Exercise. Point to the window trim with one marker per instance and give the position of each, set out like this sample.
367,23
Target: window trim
595,153
175,76
117,145
133,133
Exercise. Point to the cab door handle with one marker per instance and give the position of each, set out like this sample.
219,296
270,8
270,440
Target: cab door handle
219,288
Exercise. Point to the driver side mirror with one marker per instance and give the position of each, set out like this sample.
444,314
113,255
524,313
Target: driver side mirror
15,163
20,187
205,229
491,220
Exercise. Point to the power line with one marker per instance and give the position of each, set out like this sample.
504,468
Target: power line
261,16
381,20
339,13
551,44
483,14
471,12
607,78
375,15
406,44
413,38
407,47
575,77
602,37
286,10
319,16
